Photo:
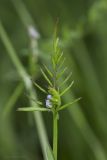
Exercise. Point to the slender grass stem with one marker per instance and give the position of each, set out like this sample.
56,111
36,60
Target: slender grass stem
28,85
23,12
12,100
55,134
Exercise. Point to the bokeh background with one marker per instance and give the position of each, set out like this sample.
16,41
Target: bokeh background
82,29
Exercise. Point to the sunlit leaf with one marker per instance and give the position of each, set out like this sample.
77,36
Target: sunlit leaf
49,72
67,89
61,64
53,63
59,58
31,109
68,104
66,79
38,102
61,73
46,78
49,153
39,87
56,44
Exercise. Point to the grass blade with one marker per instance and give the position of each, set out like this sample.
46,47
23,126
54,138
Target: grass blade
53,63
68,104
25,77
39,87
61,73
46,78
31,109
56,44
61,64
49,72
38,102
60,57
49,153
12,100
67,88
66,79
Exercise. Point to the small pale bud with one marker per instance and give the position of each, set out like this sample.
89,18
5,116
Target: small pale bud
33,33
48,104
49,96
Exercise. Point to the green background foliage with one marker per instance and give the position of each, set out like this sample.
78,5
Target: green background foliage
82,30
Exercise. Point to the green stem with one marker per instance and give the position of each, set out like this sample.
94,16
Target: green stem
55,134
12,100
28,84
23,12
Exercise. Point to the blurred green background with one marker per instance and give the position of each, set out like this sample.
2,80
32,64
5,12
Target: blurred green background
82,30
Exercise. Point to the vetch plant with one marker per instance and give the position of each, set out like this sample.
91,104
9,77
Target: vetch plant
54,93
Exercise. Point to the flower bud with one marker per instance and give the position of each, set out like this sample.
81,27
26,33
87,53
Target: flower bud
48,104
33,33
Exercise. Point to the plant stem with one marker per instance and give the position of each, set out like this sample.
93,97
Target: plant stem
55,134
28,84
12,100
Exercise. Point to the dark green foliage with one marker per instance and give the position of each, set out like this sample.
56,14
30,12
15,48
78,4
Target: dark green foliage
83,37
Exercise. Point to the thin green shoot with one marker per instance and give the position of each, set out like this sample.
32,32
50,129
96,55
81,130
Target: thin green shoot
68,104
63,92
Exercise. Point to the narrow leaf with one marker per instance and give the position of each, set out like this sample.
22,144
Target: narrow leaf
57,54
68,104
45,76
39,87
38,102
49,153
31,109
60,57
53,62
49,72
61,73
61,64
66,79
56,44
67,88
